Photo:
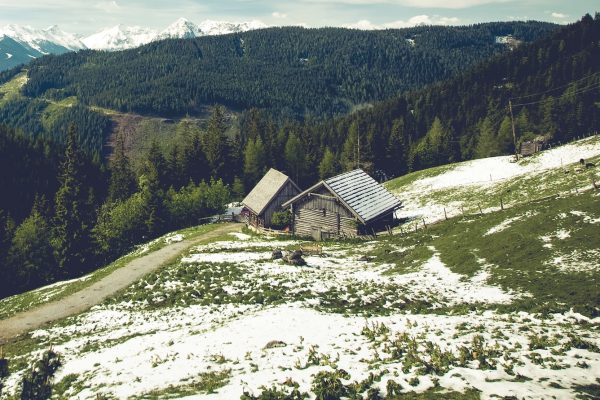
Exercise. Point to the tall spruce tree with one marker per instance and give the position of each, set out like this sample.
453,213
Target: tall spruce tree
215,143
122,179
31,255
487,144
153,191
193,163
255,163
328,165
294,156
71,239
396,152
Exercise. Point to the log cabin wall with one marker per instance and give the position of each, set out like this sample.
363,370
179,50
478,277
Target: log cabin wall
322,216
286,193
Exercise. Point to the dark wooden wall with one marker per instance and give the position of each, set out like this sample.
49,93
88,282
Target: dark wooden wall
286,193
323,218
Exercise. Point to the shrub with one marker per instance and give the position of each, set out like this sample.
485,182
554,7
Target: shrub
37,382
281,219
328,385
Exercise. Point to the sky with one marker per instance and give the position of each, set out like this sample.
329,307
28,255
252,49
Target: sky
89,16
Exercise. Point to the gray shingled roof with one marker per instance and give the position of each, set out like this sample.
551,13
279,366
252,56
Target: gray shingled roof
363,194
266,190
366,198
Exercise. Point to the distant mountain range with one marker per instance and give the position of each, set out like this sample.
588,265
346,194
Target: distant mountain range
21,44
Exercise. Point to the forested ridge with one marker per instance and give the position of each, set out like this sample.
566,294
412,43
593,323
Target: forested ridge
293,71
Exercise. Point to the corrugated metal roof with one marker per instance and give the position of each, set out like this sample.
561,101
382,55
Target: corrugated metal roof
360,193
367,198
265,190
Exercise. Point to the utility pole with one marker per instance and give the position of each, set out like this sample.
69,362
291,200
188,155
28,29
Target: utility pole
358,145
512,121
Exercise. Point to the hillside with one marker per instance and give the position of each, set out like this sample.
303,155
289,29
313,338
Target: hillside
554,85
479,306
466,186
290,70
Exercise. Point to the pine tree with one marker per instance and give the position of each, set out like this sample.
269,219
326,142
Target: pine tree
487,144
349,156
122,179
215,143
71,238
505,137
396,152
31,254
155,164
254,162
328,165
193,163
153,193
294,156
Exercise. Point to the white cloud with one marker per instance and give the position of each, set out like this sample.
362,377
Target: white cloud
107,6
413,21
277,14
559,15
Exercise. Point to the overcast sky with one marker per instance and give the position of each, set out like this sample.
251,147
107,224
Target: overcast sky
89,16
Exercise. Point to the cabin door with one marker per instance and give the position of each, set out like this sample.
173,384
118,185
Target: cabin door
316,233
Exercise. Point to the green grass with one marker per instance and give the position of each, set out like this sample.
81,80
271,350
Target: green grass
11,90
26,301
206,383
54,110
517,254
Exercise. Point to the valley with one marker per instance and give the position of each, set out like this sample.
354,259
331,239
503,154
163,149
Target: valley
157,184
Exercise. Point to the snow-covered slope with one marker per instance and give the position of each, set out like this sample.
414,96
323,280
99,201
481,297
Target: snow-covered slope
120,37
452,189
124,37
32,43
46,41
180,29
210,27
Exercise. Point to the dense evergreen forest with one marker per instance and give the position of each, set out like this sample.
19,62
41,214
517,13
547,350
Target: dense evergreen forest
62,214
291,70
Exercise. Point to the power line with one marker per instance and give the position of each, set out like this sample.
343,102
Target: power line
556,88
578,91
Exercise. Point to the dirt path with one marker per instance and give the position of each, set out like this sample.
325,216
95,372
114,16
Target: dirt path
98,291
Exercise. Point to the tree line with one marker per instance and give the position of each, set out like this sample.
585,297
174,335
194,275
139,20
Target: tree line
84,216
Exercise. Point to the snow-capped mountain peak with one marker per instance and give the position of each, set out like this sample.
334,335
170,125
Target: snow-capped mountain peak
43,40
211,27
181,29
120,37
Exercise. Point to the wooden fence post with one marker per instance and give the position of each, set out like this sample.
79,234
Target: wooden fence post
501,204
462,209
445,215
424,224
480,211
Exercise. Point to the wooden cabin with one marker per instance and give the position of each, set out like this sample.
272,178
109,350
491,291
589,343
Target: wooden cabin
266,197
347,205
531,147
